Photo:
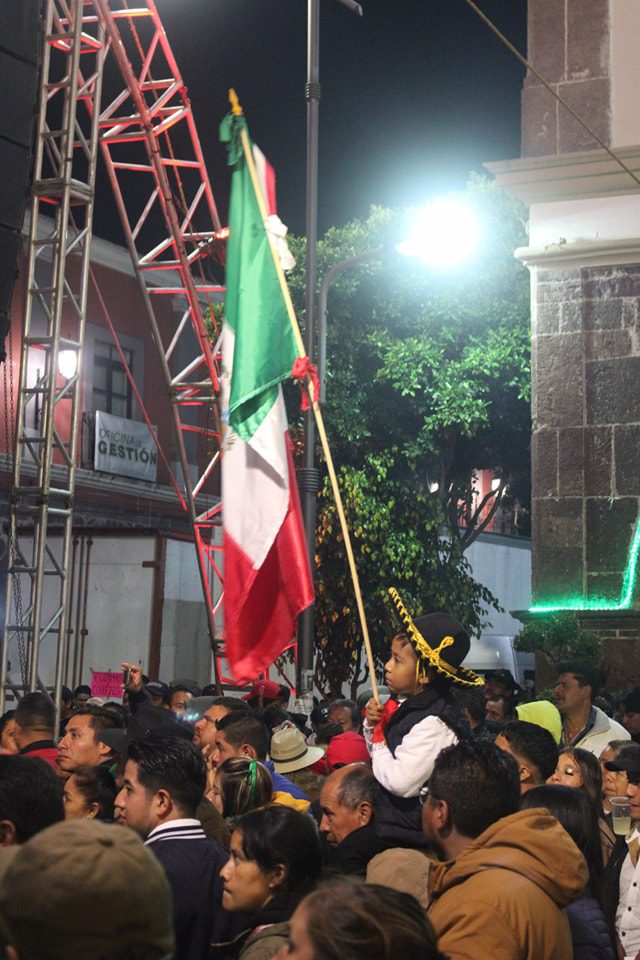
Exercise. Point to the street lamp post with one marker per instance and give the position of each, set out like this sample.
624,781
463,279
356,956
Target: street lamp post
308,475
331,274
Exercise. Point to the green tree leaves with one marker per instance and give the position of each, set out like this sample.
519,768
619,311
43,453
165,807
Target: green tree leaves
427,381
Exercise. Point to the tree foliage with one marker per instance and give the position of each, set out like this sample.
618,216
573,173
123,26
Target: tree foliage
427,381
397,534
560,636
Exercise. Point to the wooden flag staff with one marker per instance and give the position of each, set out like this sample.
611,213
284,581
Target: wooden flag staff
236,109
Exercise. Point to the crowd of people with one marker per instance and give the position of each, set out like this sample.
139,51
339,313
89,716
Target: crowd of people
449,818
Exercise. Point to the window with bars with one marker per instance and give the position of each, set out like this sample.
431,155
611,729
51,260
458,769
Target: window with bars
111,388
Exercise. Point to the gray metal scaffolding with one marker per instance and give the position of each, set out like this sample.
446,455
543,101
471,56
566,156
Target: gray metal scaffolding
174,227
48,405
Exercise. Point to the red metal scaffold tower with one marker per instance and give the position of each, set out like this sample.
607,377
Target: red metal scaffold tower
161,190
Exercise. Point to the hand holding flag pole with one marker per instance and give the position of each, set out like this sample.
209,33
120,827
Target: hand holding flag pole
236,110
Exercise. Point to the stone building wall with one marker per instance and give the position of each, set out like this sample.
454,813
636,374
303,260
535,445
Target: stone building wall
586,429
584,256
569,46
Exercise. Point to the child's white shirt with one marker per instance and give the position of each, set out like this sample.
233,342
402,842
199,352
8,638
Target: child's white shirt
416,754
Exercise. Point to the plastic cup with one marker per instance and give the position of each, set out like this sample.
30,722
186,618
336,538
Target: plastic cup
620,815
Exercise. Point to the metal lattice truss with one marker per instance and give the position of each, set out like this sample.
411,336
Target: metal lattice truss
166,191
154,161
54,320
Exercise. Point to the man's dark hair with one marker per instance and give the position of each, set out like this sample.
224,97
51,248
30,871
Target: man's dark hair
473,701
66,695
356,715
239,728
274,716
631,701
82,688
101,719
509,705
480,783
357,786
116,710
36,712
585,674
30,795
187,685
232,704
170,764
533,744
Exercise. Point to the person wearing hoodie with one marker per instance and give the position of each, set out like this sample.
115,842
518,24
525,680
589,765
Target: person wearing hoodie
508,873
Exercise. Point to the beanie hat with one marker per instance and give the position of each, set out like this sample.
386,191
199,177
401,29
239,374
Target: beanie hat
86,890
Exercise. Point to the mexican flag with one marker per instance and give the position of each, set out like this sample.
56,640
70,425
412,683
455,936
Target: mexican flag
267,578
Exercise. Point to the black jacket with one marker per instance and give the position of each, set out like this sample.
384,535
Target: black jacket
589,931
352,856
400,818
192,863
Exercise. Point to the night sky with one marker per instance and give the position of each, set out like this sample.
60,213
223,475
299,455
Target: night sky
415,94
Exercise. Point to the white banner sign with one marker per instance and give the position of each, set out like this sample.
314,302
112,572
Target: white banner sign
125,447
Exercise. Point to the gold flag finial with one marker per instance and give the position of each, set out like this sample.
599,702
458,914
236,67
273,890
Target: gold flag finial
236,109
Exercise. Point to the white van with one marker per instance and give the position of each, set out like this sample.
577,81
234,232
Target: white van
496,652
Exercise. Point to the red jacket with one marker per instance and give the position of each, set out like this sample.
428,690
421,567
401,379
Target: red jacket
45,749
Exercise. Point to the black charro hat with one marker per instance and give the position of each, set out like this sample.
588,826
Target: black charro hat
440,641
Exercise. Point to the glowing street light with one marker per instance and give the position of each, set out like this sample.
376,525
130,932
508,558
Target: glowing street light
446,232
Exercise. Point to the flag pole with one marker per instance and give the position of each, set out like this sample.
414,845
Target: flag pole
236,109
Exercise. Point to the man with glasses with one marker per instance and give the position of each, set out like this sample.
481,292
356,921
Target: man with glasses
508,873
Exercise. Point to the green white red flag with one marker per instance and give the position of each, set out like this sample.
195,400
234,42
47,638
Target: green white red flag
267,577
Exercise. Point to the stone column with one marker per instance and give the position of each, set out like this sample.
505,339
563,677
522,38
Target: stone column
584,256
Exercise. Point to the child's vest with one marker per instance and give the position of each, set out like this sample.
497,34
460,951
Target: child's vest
400,818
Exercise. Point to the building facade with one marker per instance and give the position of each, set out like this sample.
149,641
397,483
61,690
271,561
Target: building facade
135,588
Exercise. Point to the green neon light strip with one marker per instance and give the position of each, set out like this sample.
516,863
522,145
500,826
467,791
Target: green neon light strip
626,596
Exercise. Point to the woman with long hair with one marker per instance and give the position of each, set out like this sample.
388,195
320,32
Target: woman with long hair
579,769
576,812
275,860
